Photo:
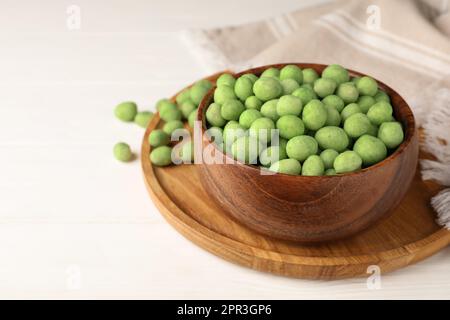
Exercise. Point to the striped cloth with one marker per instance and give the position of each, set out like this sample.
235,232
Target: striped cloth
404,43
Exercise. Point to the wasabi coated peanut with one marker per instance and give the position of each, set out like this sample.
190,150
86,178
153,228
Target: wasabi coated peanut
373,130
243,88
289,86
314,115
271,73
143,118
213,115
246,149
348,92
391,133
170,126
328,156
289,104
380,112
158,138
122,152
313,166
332,138
253,102
262,128
348,161
334,101
309,75
186,108
290,126
161,156
269,109
232,109
355,80
367,86
349,110
305,94
287,166
308,86
301,147
365,102
170,112
356,125
337,73
333,116
163,102
248,117
192,118
170,115
272,154
381,96
324,87
251,76
223,93
266,88
292,72
231,132
126,111
370,149
226,79
183,96
199,90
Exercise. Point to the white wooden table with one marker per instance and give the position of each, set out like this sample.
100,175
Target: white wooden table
75,223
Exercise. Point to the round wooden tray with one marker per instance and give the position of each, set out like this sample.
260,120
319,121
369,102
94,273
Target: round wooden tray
408,235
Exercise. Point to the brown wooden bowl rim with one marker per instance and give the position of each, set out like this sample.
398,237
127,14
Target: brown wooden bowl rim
409,118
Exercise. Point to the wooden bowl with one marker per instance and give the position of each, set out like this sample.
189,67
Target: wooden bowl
313,209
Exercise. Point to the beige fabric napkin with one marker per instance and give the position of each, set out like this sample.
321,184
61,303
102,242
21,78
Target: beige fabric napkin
404,43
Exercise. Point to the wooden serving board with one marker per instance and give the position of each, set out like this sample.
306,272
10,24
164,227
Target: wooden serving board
409,235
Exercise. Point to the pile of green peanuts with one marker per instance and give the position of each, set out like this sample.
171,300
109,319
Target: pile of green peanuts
328,124
174,114
128,112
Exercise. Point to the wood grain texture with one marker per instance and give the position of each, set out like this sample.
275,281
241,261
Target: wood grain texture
314,209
